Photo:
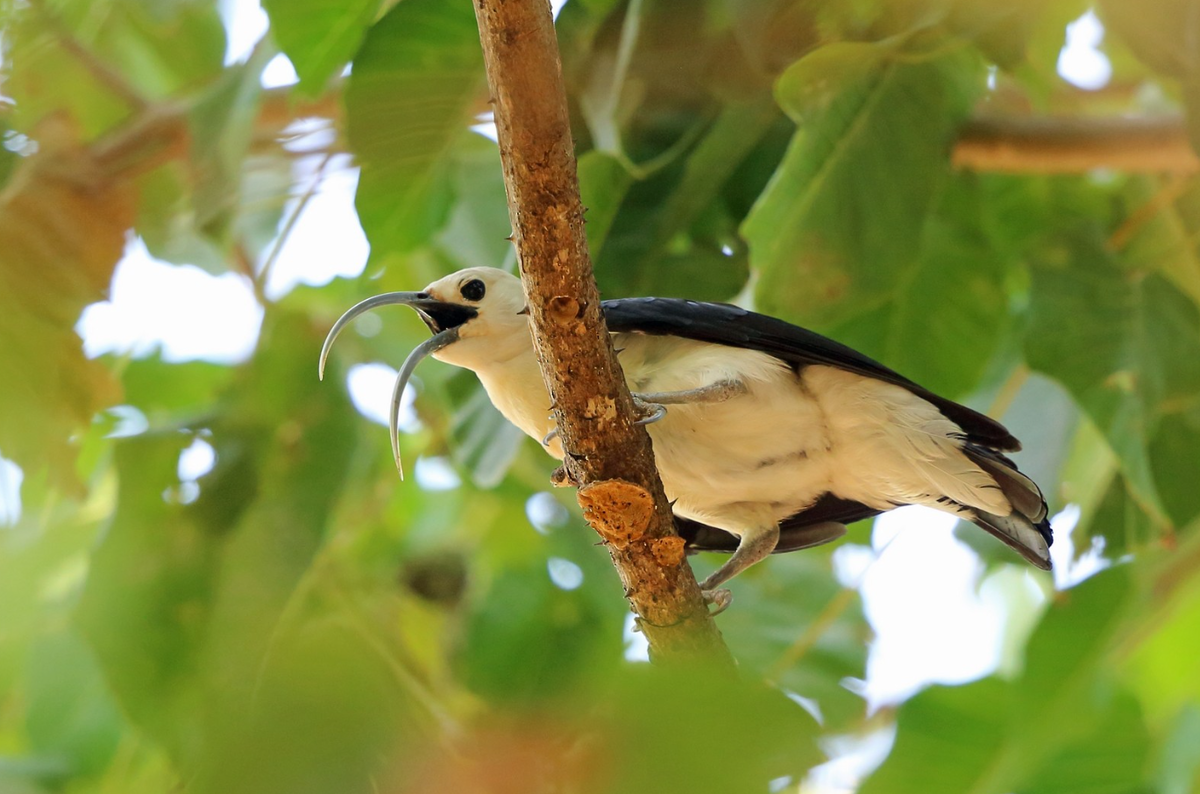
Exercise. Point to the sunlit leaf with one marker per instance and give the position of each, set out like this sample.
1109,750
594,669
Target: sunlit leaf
1159,670
222,124
181,595
477,230
408,102
1123,343
319,37
794,624
839,227
147,630
70,712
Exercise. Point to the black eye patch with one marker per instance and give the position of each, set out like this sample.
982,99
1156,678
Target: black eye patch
473,290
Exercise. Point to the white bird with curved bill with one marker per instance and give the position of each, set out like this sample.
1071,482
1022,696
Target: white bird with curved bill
768,437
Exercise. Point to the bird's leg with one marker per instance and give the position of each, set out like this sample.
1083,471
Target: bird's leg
755,545
652,405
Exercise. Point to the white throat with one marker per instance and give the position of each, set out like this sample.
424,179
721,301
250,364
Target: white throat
515,387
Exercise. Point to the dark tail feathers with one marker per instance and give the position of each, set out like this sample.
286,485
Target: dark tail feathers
1027,529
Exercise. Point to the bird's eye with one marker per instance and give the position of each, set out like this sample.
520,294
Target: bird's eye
473,290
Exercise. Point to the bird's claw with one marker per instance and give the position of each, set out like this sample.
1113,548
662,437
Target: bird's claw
648,412
719,598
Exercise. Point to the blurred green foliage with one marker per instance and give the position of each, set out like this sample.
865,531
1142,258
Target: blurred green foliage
298,621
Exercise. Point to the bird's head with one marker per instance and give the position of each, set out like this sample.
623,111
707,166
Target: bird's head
477,317
495,325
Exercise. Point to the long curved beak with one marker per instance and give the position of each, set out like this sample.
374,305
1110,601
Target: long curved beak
444,319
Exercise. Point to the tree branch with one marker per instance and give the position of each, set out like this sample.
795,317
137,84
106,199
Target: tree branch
1011,144
608,455
1052,145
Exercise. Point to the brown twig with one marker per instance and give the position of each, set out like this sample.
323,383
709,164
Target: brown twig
1076,145
1010,144
608,455
1175,187
260,281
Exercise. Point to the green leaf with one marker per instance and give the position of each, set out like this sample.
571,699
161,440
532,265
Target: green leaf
408,103
839,226
949,315
1112,758
173,393
675,234
1159,669
1179,769
526,640
477,230
222,124
1125,345
1177,440
327,715
1069,644
166,222
1119,521
147,595
155,53
1001,30
971,719
46,66
70,713
603,184
319,37
165,51
182,601
9,159
1160,33
660,726
1169,242
795,625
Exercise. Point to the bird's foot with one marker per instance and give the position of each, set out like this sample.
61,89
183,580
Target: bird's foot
719,599
648,412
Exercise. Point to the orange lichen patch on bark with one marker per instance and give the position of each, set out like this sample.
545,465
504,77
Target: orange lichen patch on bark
668,551
619,511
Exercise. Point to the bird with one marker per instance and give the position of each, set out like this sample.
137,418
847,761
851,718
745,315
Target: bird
768,437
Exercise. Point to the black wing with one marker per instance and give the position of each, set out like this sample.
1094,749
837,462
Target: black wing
723,324
822,523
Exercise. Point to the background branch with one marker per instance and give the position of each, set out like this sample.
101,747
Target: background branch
1054,145
1011,143
608,456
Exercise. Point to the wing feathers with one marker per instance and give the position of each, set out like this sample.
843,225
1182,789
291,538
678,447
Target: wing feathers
736,327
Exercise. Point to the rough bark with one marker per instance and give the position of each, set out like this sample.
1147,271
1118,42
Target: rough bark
607,454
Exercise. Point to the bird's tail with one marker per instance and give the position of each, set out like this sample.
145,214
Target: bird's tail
1026,529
